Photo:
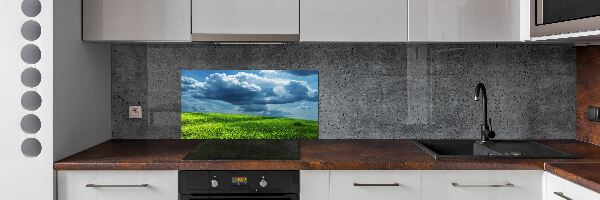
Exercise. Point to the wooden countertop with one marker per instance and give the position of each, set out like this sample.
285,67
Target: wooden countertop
314,154
584,174
331,155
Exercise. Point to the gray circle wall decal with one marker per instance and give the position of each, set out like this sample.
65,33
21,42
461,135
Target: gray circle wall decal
31,147
31,30
31,77
31,54
31,100
31,8
31,124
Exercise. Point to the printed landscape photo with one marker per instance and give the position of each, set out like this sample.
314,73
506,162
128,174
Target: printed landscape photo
249,104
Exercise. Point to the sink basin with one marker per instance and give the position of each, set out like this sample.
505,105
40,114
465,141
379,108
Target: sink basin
452,147
471,149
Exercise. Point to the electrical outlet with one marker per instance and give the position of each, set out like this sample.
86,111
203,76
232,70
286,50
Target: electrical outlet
135,112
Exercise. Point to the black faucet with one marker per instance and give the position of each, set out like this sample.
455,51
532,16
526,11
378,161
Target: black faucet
486,129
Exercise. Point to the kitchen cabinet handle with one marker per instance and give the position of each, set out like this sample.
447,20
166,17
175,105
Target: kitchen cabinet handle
114,186
376,184
560,194
491,185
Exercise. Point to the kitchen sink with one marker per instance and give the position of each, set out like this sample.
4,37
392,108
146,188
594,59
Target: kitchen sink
471,149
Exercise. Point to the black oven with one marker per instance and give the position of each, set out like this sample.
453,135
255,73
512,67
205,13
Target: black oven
551,17
234,185
238,197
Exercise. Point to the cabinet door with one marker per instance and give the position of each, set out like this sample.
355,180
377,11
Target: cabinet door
482,185
375,184
136,20
561,189
245,16
468,20
354,21
117,185
314,185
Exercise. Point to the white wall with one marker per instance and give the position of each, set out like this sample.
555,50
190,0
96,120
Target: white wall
24,177
82,98
76,74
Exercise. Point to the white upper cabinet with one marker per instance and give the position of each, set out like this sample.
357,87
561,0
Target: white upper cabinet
354,20
136,20
468,20
245,20
307,20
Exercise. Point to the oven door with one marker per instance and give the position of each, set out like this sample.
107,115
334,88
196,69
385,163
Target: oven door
241,197
552,17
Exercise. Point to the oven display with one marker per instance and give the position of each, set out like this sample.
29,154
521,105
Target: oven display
239,180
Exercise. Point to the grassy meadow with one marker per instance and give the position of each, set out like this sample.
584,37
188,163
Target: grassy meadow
240,126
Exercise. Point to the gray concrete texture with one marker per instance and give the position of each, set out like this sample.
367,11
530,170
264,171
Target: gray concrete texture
369,91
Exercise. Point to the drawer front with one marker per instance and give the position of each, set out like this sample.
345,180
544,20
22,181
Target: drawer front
376,185
560,189
482,185
117,185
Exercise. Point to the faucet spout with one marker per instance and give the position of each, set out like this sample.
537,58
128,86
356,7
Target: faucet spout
486,132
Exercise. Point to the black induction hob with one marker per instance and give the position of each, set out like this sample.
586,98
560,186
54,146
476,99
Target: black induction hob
245,150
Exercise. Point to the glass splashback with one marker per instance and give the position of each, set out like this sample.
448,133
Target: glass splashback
249,104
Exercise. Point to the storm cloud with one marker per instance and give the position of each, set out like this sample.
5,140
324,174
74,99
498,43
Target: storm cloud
248,92
302,72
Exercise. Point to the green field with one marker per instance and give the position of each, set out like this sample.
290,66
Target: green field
239,126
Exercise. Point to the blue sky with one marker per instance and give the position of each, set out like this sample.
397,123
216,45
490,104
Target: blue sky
279,93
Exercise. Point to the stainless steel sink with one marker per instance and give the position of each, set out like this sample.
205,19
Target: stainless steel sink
471,149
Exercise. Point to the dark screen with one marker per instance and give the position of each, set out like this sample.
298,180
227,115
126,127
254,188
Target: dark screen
245,150
565,10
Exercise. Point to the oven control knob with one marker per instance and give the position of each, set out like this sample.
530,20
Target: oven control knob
214,183
263,183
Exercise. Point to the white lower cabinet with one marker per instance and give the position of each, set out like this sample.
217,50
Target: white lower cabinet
117,185
482,185
341,185
560,189
314,184
375,185
422,184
